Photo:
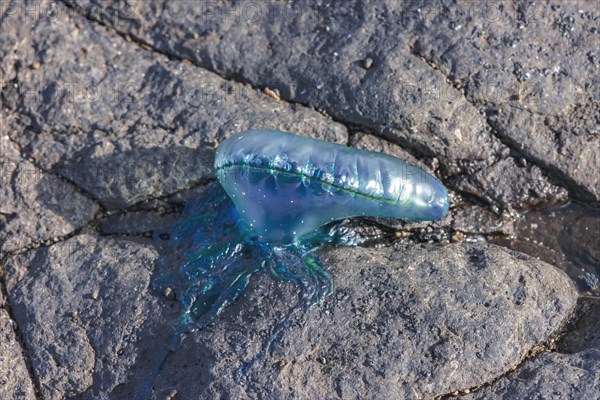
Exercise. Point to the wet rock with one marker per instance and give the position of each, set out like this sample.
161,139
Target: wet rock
400,324
124,123
80,346
504,184
584,330
15,382
36,206
480,220
549,376
565,237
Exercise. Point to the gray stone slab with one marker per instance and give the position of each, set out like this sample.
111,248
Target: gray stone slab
122,122
80,305
534,67
549,376
443,79
416,323
15,382
36,206
398,94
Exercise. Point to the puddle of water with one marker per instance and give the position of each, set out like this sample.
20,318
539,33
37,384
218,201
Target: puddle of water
567,237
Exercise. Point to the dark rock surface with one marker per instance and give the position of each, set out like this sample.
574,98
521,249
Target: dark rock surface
15,382
110,113
409,329
566,237
585,333
572,372
466,82
549,376
80,305
123,123
36,206
534,67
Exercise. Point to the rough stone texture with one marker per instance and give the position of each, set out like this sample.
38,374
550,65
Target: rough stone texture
14,378
549,376
122,122
399,94
585,332
409,329
534,67
36,206
571,373
500,102
526,186
15,382
439,75
80,305
479,220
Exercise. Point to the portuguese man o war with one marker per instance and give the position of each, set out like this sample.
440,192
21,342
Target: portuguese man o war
286,186
281,191
270,212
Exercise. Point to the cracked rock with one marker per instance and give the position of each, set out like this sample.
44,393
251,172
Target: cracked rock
36,206
504,184
80,305
400,96
535,74
426,91
549,376
405,324
15,382
124,123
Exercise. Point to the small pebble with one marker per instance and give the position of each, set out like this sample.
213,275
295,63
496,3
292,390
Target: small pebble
458,237
95,295
272,93
171,394
367,63
170,293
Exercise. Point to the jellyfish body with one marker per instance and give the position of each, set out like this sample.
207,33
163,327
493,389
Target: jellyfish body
279,189
286,186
